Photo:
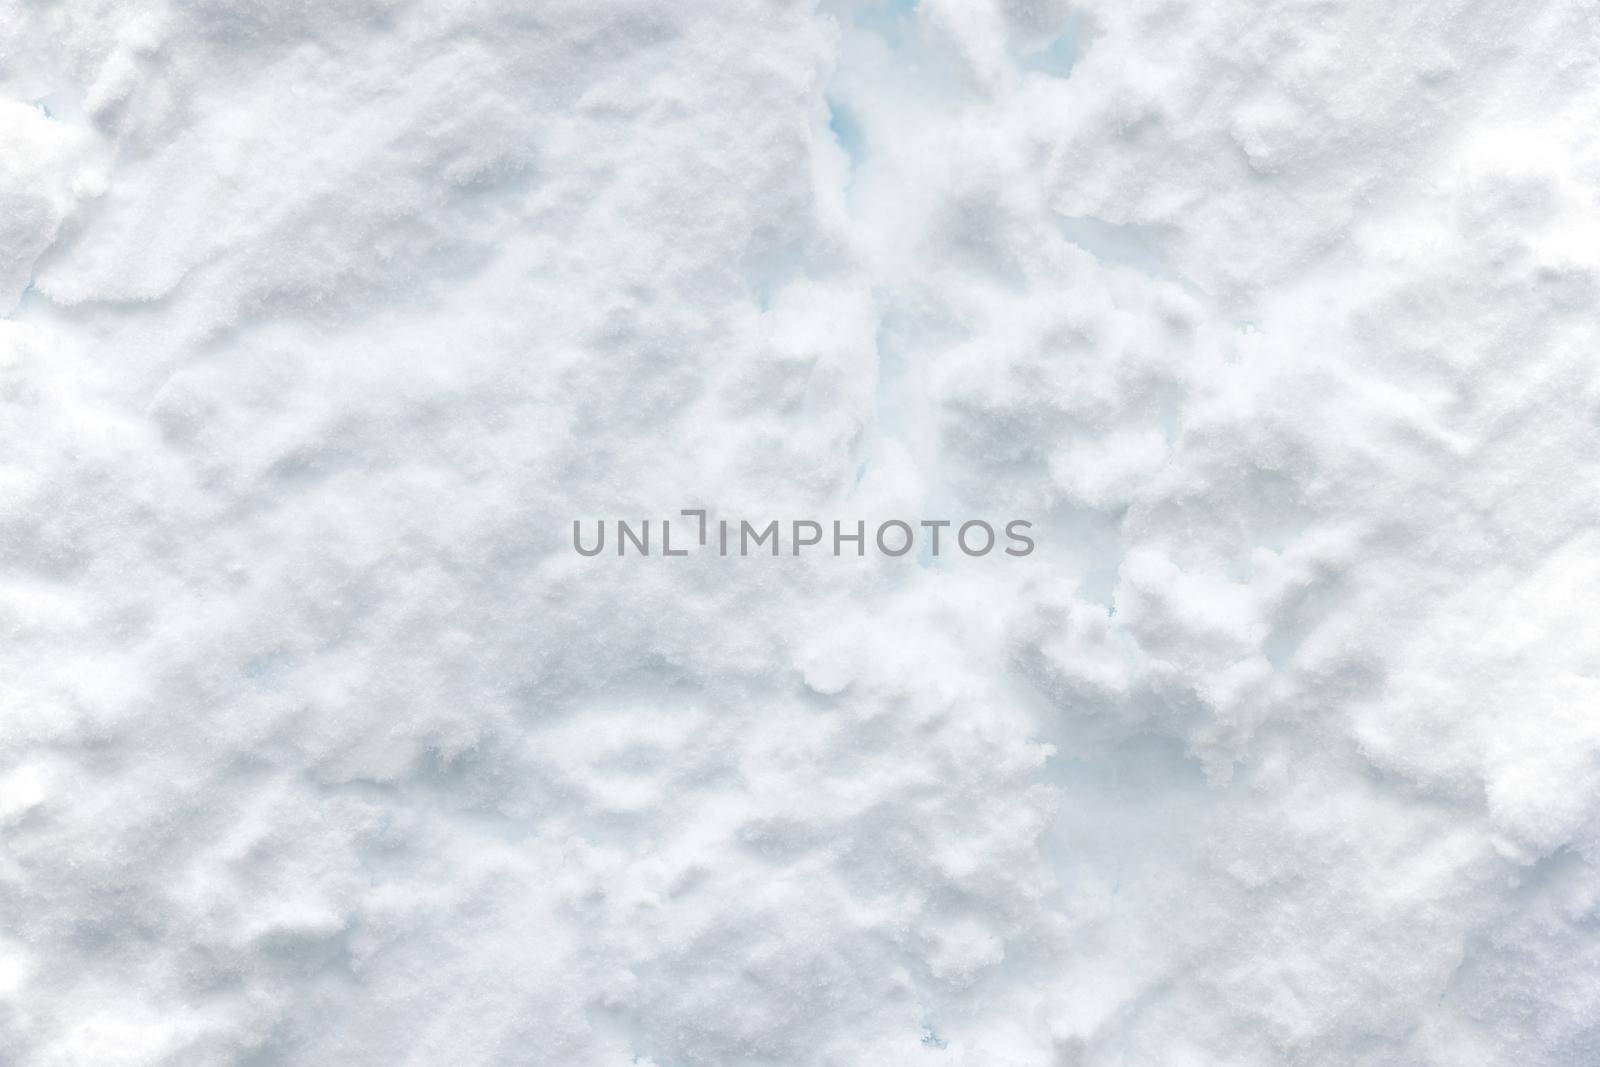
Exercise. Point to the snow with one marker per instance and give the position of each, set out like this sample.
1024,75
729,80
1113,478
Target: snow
319,744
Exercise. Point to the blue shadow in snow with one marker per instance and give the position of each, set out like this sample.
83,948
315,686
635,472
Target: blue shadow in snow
888,20
1062,54
847,131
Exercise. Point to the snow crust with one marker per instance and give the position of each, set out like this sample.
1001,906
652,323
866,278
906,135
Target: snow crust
323,321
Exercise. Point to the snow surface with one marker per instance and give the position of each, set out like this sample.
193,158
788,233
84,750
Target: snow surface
319,745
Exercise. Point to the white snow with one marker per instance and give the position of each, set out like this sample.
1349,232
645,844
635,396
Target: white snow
322,322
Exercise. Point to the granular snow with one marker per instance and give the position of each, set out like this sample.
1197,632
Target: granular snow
319,744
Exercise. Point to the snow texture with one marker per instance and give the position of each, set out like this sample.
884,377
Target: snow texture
319,745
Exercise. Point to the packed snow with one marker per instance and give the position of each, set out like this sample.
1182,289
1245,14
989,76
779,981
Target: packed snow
324,322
